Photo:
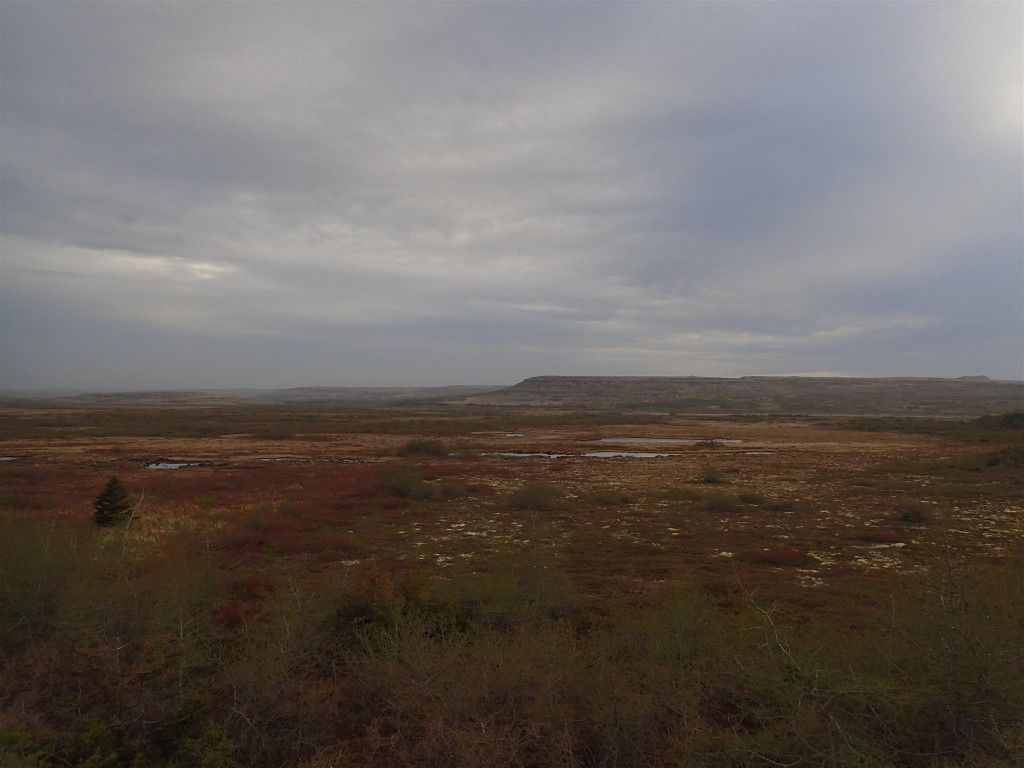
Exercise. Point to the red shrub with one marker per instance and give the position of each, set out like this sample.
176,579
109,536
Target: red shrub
339,544
232,615
251,587
240,543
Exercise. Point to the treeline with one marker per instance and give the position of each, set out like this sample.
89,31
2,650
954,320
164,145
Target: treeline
114,654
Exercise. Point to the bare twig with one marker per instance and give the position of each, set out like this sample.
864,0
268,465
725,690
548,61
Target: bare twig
124,541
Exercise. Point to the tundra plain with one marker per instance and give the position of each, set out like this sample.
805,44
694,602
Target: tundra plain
304,583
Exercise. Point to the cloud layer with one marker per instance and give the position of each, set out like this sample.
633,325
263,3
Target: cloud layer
279,194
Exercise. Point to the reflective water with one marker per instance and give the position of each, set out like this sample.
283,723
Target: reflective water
588,454
628,454
520,455
8,458
669,440
171,464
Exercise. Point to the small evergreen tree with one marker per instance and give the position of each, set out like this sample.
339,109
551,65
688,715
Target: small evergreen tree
112,505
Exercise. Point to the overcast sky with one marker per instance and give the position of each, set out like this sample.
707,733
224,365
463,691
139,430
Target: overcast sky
286,194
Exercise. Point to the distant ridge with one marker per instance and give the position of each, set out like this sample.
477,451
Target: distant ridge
964,396
375,394
225,397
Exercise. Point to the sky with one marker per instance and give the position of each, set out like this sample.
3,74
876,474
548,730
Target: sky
200,195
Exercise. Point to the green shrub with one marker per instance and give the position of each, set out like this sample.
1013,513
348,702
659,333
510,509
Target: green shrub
401,481
751,497
424,446
683,494
712,475
912,512
719,502
609,498
445,489
781,505
451,489
535,496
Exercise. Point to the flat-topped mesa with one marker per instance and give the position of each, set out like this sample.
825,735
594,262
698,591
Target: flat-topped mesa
965,396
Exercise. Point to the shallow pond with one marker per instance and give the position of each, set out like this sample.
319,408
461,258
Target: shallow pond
8,458
690,440
628,454
172,464
522,455
588,454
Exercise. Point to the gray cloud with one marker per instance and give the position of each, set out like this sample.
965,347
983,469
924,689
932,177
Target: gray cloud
276,194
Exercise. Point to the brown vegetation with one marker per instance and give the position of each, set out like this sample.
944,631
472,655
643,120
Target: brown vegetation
326,603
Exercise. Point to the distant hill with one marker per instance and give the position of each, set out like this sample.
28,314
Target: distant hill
225,397
972,396
966,396
374,394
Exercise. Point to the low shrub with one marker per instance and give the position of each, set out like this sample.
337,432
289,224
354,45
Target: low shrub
234,614
401,481
781,505
1003,421
451,489
912,512
424,446
751,497
683,494
719,502
445,489
535,496
609,498
252,587
712,475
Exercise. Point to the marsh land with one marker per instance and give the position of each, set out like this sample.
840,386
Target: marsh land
466,580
